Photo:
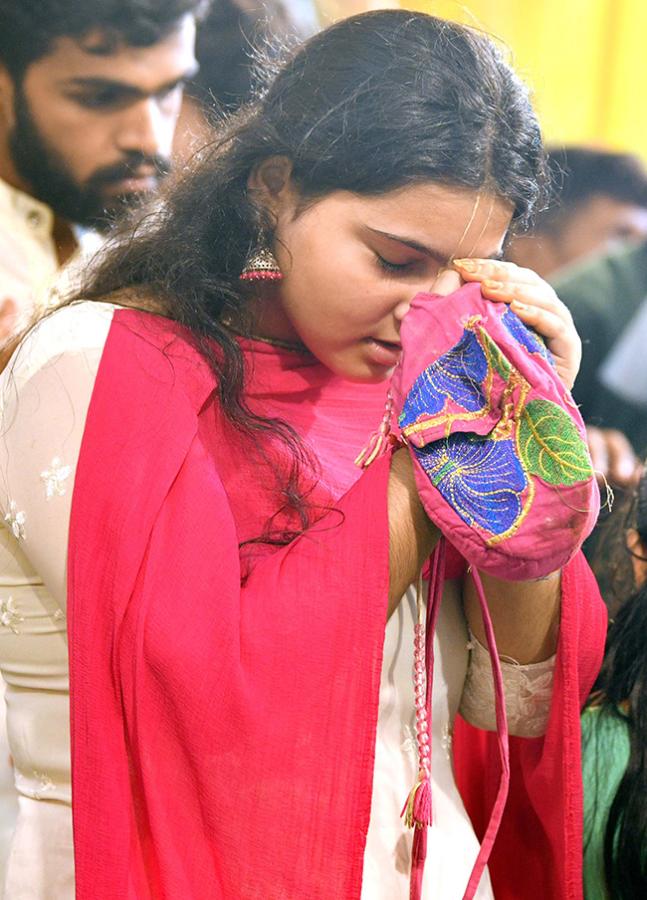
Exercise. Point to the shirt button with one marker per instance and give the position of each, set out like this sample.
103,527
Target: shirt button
34,218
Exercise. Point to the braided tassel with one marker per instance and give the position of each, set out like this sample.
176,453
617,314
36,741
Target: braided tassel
380,439
417,809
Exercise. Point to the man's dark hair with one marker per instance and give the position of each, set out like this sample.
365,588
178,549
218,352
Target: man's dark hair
29,29
578,174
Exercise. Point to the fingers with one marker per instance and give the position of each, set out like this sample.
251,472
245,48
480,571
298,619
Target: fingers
536,304
538,294
545,321
505,282
480,269
561,338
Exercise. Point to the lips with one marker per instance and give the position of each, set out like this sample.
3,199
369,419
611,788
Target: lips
384,353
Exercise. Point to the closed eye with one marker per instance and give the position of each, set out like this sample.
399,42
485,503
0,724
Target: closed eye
388,266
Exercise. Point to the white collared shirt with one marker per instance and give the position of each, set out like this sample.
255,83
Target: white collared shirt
29,266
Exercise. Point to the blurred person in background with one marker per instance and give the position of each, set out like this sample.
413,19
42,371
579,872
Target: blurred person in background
599,200
614,738
608,300
89,98
225,49
595,221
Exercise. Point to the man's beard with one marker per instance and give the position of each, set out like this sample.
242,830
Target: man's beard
50,181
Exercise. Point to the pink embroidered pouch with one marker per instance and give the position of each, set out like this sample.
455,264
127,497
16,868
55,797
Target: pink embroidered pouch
498,444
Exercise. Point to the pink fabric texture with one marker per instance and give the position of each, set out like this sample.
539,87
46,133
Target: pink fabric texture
538,852
499,446
224,698
223,733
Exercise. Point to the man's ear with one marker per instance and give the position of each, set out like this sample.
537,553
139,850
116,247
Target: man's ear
270,184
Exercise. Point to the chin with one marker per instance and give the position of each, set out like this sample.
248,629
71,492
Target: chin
363,374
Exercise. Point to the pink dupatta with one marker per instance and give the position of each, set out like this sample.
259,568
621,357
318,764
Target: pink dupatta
222,736
223,728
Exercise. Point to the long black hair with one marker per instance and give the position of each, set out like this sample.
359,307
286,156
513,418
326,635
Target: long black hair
621,690
373,103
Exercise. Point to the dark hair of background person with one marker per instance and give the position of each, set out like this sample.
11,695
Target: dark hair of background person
225,48
376,102
578,174
621,689
29,28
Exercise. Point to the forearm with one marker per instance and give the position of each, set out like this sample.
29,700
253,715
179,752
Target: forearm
412,536
525,615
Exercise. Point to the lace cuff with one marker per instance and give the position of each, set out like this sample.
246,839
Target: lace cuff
528,692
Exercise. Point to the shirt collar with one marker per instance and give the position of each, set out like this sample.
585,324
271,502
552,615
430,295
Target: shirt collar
36,216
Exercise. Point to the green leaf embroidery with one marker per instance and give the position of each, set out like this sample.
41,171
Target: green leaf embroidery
550,445
495,358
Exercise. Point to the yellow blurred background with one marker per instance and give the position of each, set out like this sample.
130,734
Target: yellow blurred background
585,60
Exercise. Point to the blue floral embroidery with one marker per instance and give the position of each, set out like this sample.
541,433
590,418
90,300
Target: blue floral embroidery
525,336
482,479
458,374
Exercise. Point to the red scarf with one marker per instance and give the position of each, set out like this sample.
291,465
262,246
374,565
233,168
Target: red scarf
223,735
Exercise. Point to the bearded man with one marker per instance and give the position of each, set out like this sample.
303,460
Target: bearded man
89,97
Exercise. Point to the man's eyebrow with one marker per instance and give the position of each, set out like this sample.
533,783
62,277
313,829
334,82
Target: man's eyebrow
124,88
433,252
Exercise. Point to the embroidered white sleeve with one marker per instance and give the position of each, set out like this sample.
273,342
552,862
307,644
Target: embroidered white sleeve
528,691
45,392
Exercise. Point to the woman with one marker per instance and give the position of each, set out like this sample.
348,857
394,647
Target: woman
241,725
614,742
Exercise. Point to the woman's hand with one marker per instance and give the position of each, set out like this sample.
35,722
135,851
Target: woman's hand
536,304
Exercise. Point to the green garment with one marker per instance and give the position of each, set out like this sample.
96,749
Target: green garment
605,754
603,296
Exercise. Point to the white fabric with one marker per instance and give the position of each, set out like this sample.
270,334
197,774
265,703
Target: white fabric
528,692
29,271
44,397
28,260
452,846
29,266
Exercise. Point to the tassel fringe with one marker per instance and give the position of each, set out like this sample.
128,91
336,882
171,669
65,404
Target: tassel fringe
380,440
417,809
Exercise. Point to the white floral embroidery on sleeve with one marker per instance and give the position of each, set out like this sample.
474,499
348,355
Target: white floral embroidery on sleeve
9,617
15,520
54,478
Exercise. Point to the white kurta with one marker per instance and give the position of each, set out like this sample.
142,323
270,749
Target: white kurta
44,398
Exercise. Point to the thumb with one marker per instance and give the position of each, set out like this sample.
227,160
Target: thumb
446,282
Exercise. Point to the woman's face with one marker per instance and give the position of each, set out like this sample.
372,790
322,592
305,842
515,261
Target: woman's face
351,265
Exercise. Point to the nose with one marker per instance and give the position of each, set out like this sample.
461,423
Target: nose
402,309
146,129
446,282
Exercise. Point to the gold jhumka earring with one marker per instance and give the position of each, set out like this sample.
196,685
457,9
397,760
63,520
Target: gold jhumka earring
261,265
